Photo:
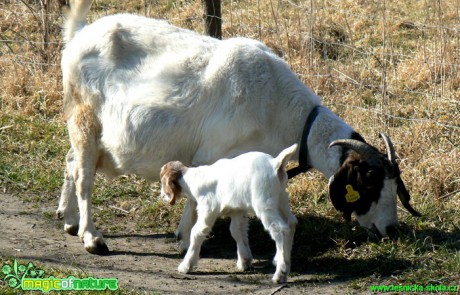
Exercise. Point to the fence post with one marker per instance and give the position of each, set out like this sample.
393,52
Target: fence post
212,18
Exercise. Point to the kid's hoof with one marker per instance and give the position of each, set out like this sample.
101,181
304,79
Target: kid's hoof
280,278
184,268
244,264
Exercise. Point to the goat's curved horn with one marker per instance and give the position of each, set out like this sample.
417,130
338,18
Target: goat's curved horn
390,148
365,150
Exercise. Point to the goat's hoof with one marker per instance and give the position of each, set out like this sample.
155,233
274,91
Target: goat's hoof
184,268
244,265
94,244
98,249
59,214
280,278
71,229
178,236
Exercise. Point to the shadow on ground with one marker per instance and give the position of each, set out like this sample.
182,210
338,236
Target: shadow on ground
317,236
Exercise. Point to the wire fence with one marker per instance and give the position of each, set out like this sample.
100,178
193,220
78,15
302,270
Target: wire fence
321,40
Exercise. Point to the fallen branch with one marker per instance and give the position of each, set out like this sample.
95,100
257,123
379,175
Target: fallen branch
279,289
5,127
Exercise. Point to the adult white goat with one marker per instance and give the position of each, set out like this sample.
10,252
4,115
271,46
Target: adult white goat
254,183
139,93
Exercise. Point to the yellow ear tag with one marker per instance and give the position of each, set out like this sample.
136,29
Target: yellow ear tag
352,195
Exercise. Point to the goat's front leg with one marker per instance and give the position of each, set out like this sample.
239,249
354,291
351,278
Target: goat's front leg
186,223
68,203
199,232
83,132
239,230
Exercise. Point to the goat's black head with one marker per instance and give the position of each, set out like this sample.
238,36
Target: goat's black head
367,184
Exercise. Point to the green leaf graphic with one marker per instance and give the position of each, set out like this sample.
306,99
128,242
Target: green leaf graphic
15,267
15,274
11,274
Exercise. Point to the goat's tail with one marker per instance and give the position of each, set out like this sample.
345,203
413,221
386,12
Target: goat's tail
282,159
76,18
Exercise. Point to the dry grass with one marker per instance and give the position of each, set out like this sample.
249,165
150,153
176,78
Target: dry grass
381,65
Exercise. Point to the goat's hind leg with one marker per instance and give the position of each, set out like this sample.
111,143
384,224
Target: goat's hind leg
239,230
68,203
291,221
280,232
84,131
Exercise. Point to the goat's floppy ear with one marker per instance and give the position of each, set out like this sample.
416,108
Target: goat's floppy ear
170,181
282,159
404,197
342,190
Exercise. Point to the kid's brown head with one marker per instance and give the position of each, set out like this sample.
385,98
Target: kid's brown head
170,175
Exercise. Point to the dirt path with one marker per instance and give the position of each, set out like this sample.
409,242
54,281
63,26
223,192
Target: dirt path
140,261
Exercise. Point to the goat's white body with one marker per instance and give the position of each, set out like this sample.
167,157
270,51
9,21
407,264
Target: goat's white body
154,85
250,183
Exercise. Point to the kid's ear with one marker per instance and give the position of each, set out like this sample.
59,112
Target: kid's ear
170,182
172,189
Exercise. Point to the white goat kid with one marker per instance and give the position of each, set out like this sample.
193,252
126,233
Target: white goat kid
254,182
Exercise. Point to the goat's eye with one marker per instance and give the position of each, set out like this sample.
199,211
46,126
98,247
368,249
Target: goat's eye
374,175
371,174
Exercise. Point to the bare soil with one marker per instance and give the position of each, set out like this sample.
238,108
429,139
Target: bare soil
141,261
